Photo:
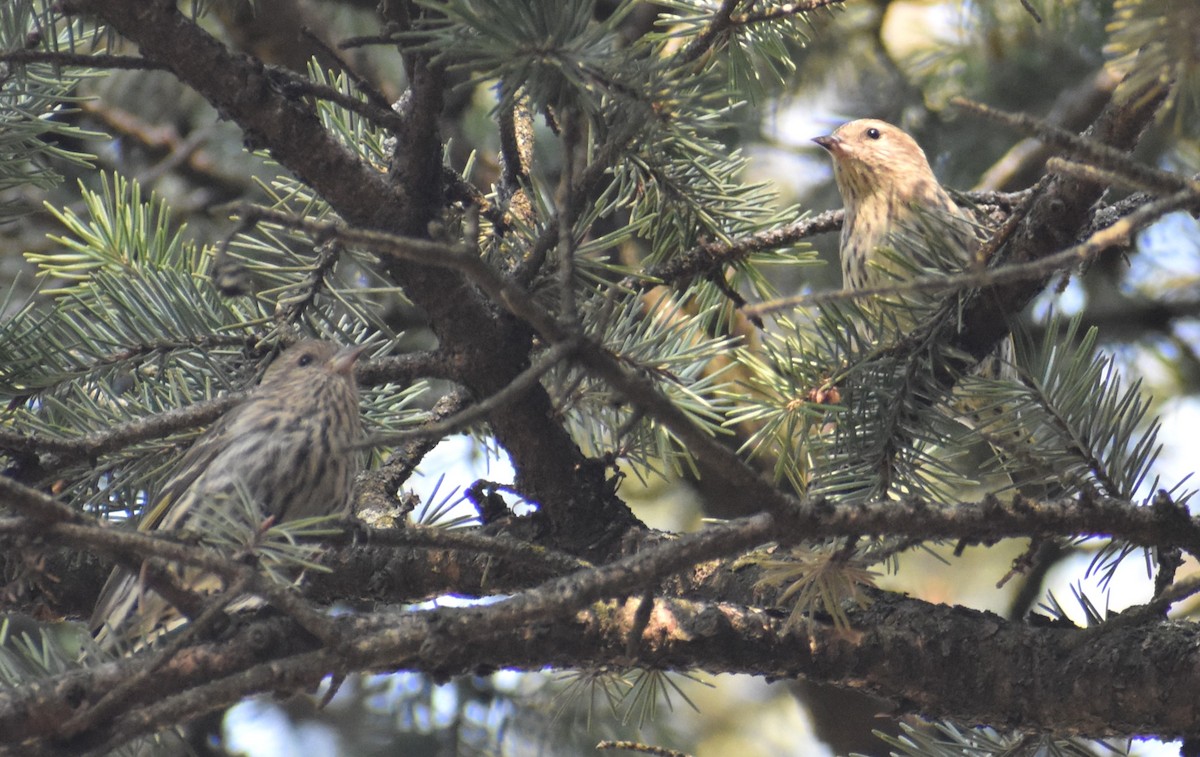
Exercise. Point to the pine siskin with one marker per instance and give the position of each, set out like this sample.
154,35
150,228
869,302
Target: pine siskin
290,449
889,190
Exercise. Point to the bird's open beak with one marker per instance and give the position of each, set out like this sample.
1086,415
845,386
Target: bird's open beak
830,143
343,361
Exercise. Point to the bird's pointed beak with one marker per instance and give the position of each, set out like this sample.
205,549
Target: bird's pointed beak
343,361
830,143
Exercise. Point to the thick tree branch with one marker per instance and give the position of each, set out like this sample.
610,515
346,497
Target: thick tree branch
885,657
978,670
390,576
385,639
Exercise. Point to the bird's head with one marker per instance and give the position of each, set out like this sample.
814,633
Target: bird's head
311,359
871,155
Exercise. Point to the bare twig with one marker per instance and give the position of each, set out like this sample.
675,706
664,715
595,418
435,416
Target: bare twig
480,410
125,62
1133,173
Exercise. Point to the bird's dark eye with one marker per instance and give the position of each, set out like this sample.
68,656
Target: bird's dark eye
305,359
873,133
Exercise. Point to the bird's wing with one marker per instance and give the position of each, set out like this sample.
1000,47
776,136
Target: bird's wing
115,603
190,467
122,590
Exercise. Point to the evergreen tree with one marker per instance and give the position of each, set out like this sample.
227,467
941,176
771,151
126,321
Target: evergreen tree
582,234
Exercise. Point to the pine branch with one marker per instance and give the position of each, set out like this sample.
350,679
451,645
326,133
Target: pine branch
1120,233
710,258
554,599
1165,524
1094,153
97,60
975,647
548,462
480,410
547,321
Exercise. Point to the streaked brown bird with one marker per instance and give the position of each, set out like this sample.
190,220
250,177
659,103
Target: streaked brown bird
291,449
889,190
